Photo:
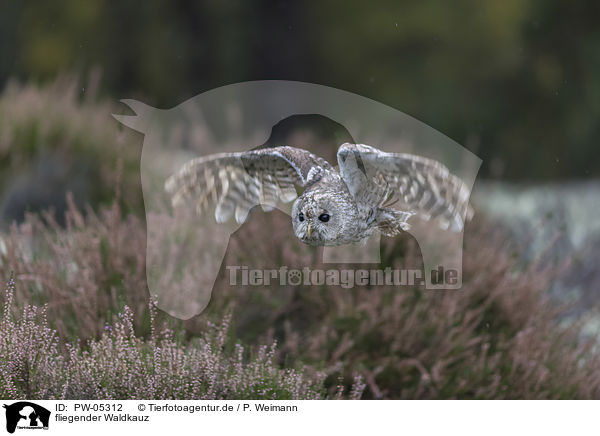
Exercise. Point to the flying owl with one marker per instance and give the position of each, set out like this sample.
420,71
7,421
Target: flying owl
336,206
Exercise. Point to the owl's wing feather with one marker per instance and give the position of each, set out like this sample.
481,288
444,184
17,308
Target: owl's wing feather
424,186
233,183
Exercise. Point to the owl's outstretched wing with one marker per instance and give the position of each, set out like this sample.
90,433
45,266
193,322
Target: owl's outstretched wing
424,186
233,183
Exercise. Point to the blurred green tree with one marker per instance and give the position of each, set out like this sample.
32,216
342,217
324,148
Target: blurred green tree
515,81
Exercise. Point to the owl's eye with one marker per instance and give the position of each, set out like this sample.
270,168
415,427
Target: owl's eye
300,217
324,217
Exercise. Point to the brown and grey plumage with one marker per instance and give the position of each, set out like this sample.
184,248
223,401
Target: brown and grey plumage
336,207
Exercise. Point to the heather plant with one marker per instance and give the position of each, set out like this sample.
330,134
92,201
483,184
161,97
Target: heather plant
81,324
500,336
58,138
121,365
30,364
85,271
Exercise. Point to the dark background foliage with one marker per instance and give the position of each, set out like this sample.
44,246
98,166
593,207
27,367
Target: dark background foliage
514,81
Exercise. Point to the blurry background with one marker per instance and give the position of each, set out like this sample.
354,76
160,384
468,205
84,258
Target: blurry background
516,82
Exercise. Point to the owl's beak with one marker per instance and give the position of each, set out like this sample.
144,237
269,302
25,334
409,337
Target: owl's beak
309,231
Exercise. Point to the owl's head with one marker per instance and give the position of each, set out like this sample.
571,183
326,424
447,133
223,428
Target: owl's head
323,217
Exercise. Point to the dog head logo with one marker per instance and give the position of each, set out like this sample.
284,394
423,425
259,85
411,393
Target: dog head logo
209,161
26,415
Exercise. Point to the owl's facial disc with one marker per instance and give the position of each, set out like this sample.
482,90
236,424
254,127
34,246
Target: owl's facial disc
315,220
